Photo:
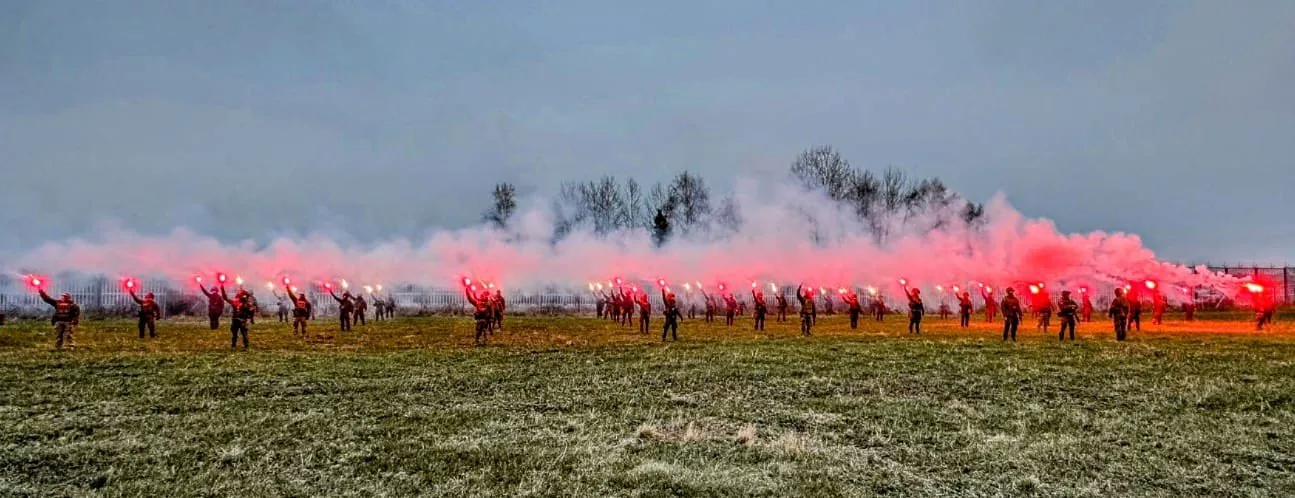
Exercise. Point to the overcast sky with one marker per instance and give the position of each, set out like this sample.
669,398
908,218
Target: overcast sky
1174,120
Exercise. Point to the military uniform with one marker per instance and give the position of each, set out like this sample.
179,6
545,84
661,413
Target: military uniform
964,310
498,309
301,312
757,300
730,309
149,313
481,314
672,317
806,311
1119,313
645,313
854,308
1068,311
242,312
215,306
345,307
361,307
915,311
67,315
1011,315
782,307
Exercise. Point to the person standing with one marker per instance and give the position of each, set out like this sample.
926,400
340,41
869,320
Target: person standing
149,313
1068,312
1119,313
1011,308
67,315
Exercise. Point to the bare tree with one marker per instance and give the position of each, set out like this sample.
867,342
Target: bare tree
728,218
505,205
823,168
691,200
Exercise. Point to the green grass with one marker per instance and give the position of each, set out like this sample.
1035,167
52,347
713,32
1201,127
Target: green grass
575,406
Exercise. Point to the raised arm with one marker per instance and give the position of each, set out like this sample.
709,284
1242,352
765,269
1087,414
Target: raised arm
338,299
466,291
291,295
224,295
135,297
45,297
204,291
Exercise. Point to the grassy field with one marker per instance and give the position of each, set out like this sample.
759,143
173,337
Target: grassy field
576,406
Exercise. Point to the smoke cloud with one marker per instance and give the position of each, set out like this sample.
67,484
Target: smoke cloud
772,244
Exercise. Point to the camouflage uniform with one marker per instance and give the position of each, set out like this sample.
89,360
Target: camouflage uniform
1119,313
1068,312
149,313
67,315
1011,315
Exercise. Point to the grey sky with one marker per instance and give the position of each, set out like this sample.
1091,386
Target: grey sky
1174,119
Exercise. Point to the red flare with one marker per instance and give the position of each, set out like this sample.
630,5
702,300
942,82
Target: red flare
35,282
467,282
130,283
660,282
903,281
1255,288
1034,289
1151,284
220,277
197,278
328,285
287,281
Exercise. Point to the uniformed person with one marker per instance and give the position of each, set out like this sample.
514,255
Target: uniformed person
1068,311
1119,313
1011,307
67,315
215,305
149,313
806,298
915,311
645,312
242,310
361,307
345,307
481,313
781,299
672,316
964,309
853,308
757,300
301,311
498,309
730,308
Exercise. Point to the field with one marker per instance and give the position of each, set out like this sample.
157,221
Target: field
577,406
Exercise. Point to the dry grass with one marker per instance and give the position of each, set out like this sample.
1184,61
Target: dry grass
569,406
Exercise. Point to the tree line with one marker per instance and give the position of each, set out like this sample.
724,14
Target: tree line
686,206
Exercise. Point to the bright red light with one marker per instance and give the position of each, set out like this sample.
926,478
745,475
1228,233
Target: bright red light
467,282
660,282
903,281
35,282
1255,288
1151,284
1034,289
328,285
130,283
197,279
220,277
287,281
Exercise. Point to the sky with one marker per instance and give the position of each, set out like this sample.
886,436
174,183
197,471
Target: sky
372,120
